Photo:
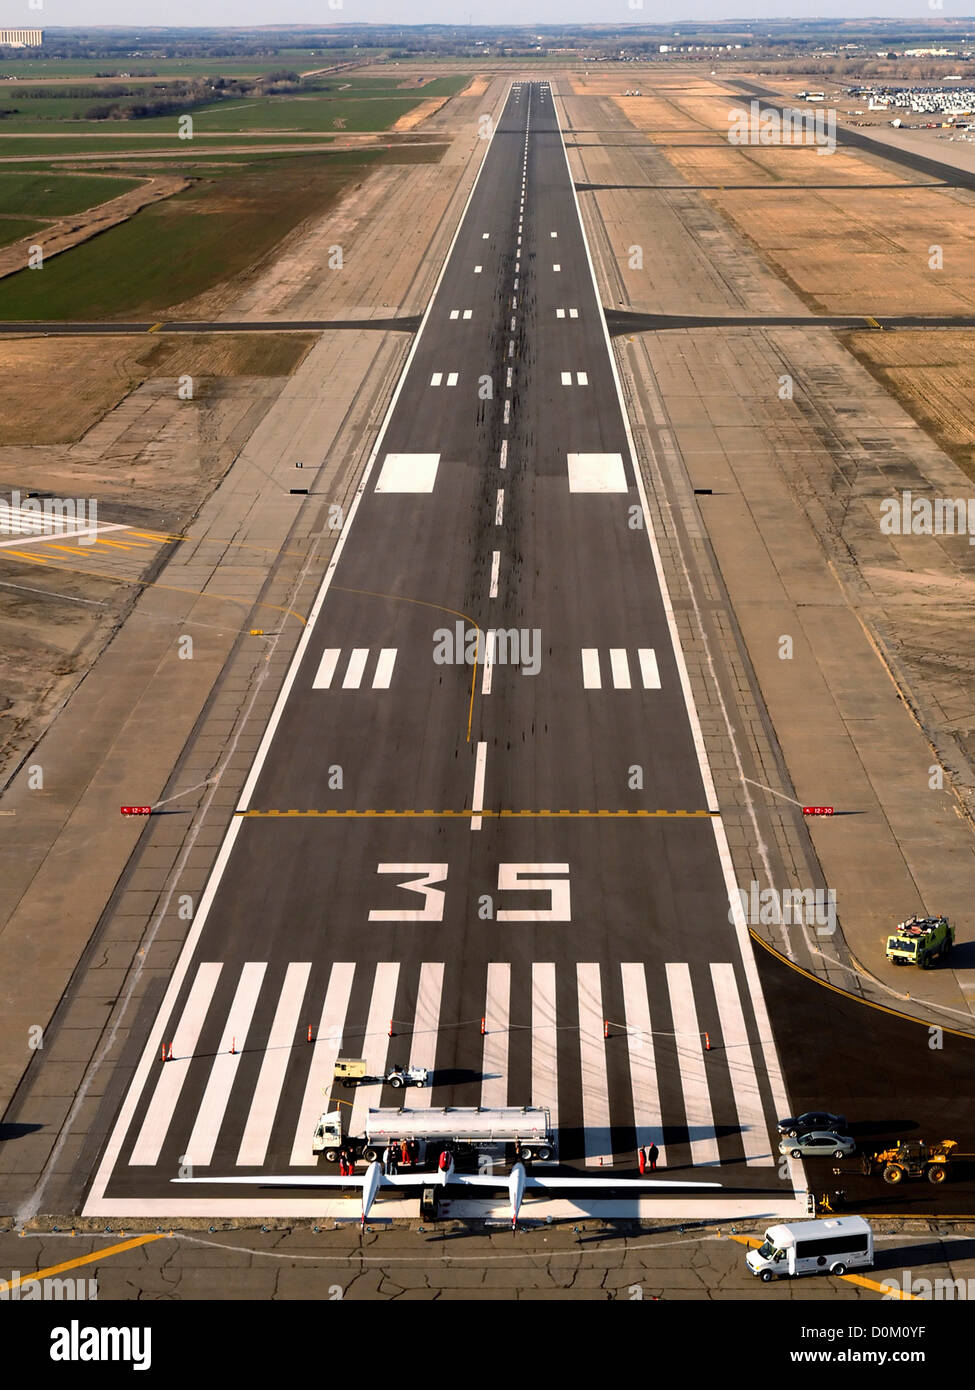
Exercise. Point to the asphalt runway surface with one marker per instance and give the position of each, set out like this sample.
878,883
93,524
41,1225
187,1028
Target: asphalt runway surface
479,853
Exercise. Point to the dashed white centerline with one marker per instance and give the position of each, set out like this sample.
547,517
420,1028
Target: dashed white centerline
488,661
508,379
495,571
504,453
499,508
477,802
507,411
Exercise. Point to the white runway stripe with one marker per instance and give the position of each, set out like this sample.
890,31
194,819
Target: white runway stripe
648,668
425,1026
744,1083
620,668
326,668
375,1045
592,1059
277,1057
384,668
353,672
173,1074
223,1073
495,571
591,679
477,800
693,1073
325,1049
494,1062
545,1077
488,662
643,1075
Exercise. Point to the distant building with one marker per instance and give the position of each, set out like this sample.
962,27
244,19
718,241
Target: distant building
21,38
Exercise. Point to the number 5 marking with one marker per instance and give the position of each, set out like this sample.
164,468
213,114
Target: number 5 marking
510,876
432,909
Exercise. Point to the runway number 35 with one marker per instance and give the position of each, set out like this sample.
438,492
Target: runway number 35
511,878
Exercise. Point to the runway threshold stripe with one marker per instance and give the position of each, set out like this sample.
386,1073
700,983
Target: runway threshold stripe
280,1045
374,1046
384,668
744,1081
545,1057
326,668
648,668
324,1053
172,1074
591,679
423,1051
353,672
592,1066
690,1060
494,1060
643,1074
620,667
223,1073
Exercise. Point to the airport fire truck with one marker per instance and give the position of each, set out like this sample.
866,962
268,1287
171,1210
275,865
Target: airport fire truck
464,1129
920,941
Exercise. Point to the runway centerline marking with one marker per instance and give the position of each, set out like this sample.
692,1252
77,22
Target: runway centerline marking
477,800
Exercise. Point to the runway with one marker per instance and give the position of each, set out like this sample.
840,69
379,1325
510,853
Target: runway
480,833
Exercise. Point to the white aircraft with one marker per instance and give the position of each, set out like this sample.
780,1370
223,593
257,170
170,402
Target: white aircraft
517,1181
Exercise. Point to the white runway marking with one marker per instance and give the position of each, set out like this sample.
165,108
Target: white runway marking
648,668
374,1046
477,800
353,672
325,1050
507,411
573,313
280,1044
499,508
643,1076
554,233
223,1073
488,662
173,1074
485,235
495,571
326,668
494,1059
560,313
744,1082
582,379
436,379
504,453
454,314
545,1055
384,668
423,1050
468,313
693,1073
508,379
408,473
452,379
592,1057
620,668
591,679
596,473
566,378
556,268
477,270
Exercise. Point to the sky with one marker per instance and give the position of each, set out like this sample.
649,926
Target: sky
128,13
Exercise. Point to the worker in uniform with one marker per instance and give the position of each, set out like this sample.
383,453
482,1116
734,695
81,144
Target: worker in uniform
642,1160
404,1153
653,1153
392,1155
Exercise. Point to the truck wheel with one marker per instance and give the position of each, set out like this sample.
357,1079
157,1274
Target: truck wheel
893,1174
421,1084
527,1155
838,1270
369,1154
767,1276
544,1153
937,1173
797,1153
925,962
396,1082
331,1155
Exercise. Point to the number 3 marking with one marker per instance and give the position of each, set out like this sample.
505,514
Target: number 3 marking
432,909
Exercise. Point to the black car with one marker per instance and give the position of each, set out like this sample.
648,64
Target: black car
812,1119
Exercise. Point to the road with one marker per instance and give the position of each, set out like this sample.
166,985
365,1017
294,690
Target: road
551,807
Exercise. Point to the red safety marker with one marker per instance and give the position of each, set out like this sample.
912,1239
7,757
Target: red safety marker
309,1032
233,1046
167,1056
136,810
817,810
390,1027
707,1042
605,1027
482,1027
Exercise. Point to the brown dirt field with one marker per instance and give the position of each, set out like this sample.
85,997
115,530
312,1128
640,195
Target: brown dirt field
420,113
931,373
52,390
66,232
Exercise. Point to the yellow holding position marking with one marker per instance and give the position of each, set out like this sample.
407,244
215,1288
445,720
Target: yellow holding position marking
81,1260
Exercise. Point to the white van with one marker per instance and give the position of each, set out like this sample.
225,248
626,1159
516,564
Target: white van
813,1247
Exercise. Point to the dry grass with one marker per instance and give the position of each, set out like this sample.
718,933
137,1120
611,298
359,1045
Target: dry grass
52,390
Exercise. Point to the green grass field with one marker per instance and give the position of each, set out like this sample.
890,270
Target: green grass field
298,59
172,251
13,228
53,194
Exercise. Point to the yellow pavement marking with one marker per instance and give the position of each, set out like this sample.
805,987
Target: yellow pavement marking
81,1260
155,328
535,815
872,322
854,998
23,555
116,545
860,1279
150,536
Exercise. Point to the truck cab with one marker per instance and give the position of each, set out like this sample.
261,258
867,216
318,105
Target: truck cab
328,1139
